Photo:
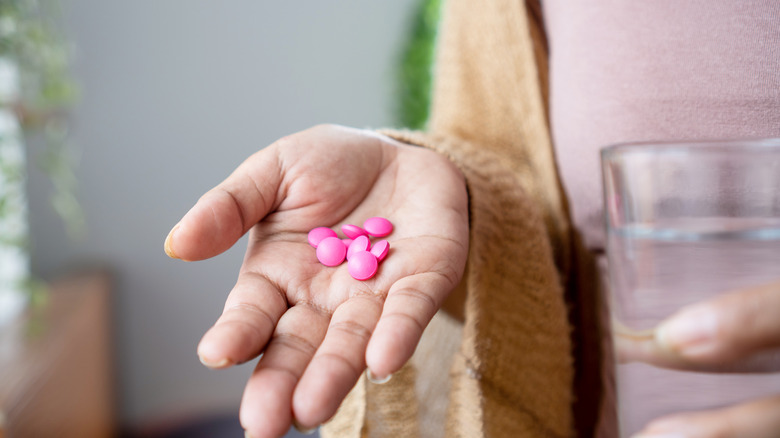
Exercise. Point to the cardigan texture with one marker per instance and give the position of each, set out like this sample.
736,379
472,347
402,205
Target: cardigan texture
519,354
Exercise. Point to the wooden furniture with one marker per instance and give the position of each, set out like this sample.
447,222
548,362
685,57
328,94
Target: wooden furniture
56,371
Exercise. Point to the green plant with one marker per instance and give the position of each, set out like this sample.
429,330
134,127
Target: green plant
415,68
37,88
30,38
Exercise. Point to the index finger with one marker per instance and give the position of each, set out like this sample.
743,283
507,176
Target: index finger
726,329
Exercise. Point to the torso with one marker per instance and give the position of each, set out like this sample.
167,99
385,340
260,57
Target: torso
660,70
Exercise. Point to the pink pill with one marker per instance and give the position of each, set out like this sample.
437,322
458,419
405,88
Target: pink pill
361,243
362,265
347,242
316,235
380,249
331,251
353,231
378,226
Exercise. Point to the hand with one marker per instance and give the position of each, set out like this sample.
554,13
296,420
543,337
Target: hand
316,327
736,332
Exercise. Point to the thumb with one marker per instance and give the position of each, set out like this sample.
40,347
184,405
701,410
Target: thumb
226,212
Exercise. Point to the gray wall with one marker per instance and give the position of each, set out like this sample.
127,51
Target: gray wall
175,94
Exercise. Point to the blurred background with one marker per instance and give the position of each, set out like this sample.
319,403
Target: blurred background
172,96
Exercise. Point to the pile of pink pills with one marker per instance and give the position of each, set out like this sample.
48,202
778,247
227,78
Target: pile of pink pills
362,256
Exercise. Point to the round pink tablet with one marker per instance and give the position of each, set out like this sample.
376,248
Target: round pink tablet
347,242
380,249
331,251
316,235
362,265
378,226
361,243
353,231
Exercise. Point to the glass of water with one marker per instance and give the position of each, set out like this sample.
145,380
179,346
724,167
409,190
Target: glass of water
686,222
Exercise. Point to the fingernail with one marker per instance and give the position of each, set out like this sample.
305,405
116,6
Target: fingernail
301,429
222,363
378,380
169,243
691,332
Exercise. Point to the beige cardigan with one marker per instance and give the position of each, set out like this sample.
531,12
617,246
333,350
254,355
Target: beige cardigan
522,363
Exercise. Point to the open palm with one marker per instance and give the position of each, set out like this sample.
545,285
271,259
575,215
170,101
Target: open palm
317,327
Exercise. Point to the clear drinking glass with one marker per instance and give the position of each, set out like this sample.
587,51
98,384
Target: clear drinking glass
686,222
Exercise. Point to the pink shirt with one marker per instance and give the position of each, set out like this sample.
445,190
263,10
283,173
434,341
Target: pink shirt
655,70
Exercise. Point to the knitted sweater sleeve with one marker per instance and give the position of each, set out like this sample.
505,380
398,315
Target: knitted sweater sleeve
516,332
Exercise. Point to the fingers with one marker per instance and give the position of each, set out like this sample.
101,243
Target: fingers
726,328
266,405
339,361
226,212
758,419
409,307
349,344
251,312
